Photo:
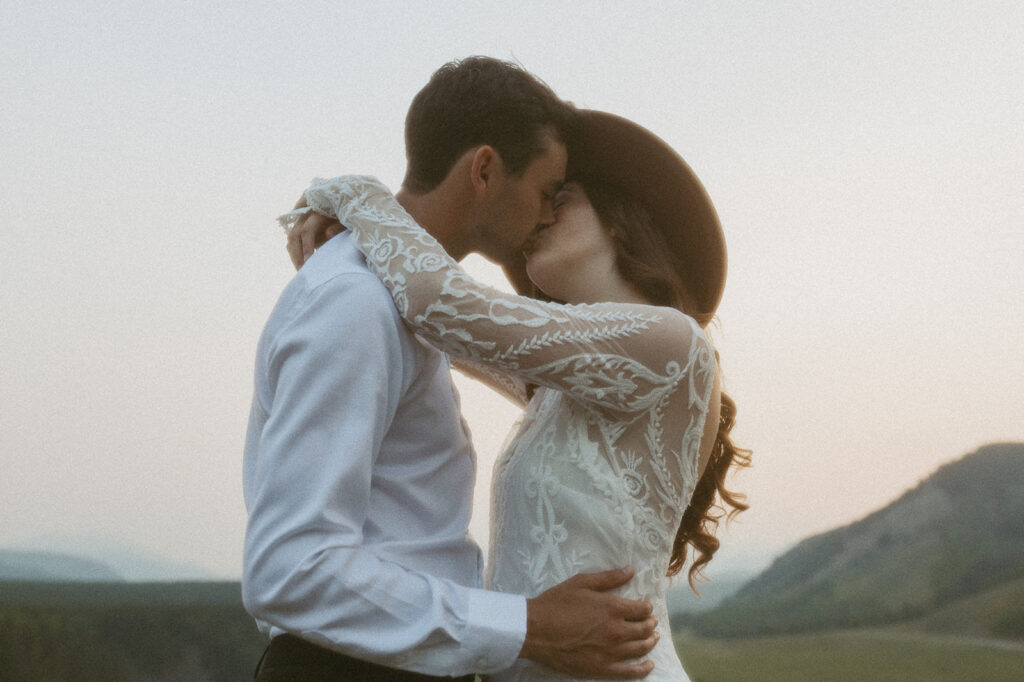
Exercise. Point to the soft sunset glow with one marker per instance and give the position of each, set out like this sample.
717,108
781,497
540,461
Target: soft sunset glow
866,160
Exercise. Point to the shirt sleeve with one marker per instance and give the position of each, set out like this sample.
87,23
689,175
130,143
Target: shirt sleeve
333,377
623,358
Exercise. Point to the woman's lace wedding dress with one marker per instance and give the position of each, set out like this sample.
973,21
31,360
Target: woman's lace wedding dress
603,462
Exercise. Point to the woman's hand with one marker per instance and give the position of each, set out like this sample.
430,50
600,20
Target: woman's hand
310,233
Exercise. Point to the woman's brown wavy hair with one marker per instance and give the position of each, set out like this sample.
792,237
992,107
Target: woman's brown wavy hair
643,258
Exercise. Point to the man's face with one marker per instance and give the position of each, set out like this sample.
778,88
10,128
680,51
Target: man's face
523,202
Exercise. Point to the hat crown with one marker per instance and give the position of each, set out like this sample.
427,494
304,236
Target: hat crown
621,152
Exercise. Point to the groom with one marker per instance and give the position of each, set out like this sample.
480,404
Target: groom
358,470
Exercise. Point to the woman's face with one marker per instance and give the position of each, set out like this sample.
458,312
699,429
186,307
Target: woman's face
572,250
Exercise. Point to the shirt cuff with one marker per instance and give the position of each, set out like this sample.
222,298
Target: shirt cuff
496,629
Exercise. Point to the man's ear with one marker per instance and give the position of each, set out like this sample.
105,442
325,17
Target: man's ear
485,169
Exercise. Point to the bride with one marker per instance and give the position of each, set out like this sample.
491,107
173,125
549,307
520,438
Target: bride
622,450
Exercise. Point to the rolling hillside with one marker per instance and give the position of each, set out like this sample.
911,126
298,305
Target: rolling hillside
995,612
959,533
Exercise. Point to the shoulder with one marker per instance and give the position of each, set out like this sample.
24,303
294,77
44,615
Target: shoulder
676,340
336,279
671,327
694,338
335,297
339,265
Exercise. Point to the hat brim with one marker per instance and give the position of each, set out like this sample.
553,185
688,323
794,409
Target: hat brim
618,151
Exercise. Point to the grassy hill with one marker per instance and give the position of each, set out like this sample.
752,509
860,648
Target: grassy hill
995,612
108,632
957,534
866,655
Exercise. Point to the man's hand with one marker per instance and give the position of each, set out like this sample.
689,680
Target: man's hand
310,233
577,628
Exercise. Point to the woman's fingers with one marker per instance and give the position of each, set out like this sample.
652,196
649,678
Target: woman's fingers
309,233
294,244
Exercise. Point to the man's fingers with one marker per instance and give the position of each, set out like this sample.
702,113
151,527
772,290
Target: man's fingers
633,610
605,580
630,671
637,648
639,630
579,628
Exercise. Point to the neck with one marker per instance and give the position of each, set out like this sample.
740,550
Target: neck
622,293
602,285
440,213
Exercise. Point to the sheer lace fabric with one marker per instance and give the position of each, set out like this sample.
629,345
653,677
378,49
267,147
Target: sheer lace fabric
603,462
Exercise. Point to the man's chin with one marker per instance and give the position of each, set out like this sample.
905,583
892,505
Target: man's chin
514,266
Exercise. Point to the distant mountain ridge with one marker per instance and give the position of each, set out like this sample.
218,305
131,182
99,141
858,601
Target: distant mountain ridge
78,559
53,567
956,534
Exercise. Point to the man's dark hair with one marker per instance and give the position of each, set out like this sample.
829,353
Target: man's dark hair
476,101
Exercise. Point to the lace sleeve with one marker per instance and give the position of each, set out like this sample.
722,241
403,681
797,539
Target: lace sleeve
510,387
623,357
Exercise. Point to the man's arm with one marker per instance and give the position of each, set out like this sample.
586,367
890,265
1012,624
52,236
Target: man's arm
333,377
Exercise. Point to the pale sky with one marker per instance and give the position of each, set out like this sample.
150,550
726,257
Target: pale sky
866,160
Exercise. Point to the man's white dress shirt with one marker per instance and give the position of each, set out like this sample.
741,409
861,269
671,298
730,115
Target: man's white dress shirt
358,476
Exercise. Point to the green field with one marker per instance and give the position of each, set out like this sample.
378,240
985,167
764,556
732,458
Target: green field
130,632
851,656
199,632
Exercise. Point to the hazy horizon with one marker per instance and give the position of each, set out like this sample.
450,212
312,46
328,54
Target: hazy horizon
137,564
865,160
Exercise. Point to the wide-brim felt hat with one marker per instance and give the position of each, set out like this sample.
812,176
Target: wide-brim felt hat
615,150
